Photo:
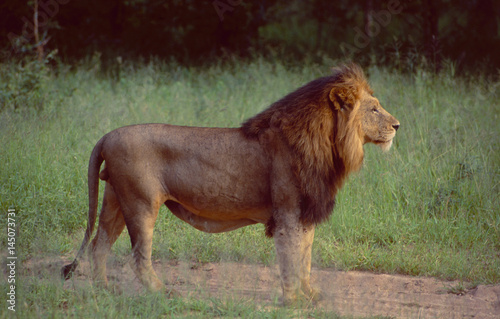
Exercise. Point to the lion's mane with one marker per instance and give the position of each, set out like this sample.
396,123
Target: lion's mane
321,125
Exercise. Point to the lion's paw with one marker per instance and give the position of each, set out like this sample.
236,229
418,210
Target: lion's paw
301,299
172,293
314,295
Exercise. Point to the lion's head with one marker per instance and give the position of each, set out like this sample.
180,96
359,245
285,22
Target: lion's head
360,113
377,125
326,123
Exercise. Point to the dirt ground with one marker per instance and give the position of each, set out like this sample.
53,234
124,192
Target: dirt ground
352,293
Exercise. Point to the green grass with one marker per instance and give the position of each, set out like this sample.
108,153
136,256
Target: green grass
46,299
428,207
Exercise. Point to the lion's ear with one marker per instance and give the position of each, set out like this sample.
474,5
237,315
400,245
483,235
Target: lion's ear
342,98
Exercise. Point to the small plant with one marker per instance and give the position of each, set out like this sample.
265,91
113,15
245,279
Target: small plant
22,85
460,288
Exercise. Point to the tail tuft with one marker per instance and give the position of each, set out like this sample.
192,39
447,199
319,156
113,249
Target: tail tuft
270,226
67,271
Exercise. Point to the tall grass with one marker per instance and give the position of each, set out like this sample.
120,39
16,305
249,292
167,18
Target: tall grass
428,207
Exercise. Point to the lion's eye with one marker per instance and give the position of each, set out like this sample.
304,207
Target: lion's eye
375,110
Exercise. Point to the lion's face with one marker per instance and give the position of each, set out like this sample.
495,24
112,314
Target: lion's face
377,125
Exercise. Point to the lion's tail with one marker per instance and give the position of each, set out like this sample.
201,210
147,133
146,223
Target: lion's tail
95,162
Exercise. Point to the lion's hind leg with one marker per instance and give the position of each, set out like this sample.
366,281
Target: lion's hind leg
140,211
111,225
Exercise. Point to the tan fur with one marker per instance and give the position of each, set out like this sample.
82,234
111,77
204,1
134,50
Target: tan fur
282,168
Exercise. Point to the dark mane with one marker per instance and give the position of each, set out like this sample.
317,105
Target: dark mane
349,77
318,123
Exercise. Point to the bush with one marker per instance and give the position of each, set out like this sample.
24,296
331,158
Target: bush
22,84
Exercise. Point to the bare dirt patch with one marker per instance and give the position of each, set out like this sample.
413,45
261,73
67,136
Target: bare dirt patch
346,293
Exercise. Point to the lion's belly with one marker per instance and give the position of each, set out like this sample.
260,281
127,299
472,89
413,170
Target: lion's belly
224,198
224,211
208,223
260,215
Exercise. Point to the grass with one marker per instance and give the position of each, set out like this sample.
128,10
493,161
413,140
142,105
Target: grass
428,207
46,299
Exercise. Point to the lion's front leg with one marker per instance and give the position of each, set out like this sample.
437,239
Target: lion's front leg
287,241
293,243
293,240
305,270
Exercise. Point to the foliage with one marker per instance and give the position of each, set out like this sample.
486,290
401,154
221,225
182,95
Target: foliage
464,31
23,84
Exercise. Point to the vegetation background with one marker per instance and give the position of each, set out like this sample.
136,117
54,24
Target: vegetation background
429,207
200,31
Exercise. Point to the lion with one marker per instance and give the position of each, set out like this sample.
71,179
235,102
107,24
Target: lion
281,168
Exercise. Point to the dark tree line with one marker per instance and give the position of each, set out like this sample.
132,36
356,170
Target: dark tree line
464,31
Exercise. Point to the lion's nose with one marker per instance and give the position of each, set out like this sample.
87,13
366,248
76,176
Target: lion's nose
396,126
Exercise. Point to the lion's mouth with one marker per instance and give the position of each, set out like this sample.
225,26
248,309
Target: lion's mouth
384,145
385,141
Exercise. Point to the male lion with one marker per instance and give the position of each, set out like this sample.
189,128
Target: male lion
281,168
